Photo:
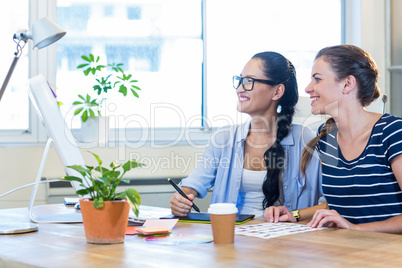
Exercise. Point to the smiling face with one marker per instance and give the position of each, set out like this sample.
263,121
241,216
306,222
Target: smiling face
324,89
261,100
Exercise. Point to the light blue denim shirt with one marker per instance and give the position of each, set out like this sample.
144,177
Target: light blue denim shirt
221,167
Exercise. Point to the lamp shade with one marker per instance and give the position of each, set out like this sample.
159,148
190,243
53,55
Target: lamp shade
45,32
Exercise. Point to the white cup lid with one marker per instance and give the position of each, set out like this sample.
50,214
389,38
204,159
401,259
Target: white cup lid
222,208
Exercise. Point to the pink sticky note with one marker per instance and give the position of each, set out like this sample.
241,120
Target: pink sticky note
167,223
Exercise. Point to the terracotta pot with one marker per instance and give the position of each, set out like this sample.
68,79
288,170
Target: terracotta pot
106,225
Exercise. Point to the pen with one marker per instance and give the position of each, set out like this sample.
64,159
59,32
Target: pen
182,193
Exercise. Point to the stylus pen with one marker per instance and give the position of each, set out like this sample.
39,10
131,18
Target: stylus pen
182,193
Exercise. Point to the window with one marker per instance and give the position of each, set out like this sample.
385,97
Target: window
236,30
183,53
157,43
14,104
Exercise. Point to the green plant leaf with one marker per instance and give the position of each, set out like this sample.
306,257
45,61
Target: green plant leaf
99,67
82,65
84,116
97,158
78,110
89,167
72,178
134,93
131,164
123,90
98,89
77,102
82,192
115,164
101,169
91,189
91,113
87,71
85,58
79,168
98,202
113,174
134,200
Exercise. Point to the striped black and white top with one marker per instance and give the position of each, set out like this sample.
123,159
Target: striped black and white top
364,189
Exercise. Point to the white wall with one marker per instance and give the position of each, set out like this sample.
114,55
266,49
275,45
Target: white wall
366,19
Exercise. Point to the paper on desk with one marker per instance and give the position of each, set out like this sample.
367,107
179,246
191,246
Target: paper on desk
271,230
148,212
167,223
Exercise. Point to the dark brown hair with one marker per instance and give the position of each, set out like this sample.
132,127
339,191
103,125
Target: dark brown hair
282,71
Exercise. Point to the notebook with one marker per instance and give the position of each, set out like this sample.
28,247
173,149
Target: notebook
204,218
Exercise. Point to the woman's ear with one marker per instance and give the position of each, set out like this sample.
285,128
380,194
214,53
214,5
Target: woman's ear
350,83
279,91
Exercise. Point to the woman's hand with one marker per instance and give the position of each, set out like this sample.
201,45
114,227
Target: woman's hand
181,206
330,218
277,214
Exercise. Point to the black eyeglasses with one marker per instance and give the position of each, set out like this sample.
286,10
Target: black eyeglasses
248,82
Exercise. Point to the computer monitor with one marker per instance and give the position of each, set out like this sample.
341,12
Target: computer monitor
45,103
44,100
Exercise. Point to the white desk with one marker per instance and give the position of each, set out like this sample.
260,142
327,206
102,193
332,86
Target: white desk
64,245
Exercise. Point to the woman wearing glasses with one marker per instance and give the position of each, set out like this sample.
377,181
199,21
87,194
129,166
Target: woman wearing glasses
256,165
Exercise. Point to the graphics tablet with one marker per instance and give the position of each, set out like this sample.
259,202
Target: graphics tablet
204,218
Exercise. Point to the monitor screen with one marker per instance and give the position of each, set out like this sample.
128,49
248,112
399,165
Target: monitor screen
45,103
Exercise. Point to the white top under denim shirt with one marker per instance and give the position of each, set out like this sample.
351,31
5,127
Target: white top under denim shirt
251,194
221,167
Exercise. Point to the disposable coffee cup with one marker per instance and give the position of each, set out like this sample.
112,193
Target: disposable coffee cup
223,219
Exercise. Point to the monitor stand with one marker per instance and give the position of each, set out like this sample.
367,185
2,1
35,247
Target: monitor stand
14,227
40,214
50,213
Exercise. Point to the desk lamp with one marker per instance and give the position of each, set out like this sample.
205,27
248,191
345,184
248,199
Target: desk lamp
44,32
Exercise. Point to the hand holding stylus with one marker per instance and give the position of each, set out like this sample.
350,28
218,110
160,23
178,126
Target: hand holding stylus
173,201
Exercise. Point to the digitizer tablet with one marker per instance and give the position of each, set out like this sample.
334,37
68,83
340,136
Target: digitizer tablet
204,218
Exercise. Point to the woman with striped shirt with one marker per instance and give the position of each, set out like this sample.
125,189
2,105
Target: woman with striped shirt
360,151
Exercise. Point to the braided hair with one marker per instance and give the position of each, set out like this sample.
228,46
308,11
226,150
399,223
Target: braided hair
346,60
281,70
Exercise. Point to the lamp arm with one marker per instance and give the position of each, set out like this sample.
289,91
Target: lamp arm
18,37
10,72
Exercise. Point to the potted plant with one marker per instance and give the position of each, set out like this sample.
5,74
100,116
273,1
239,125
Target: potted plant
106,79
105,211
